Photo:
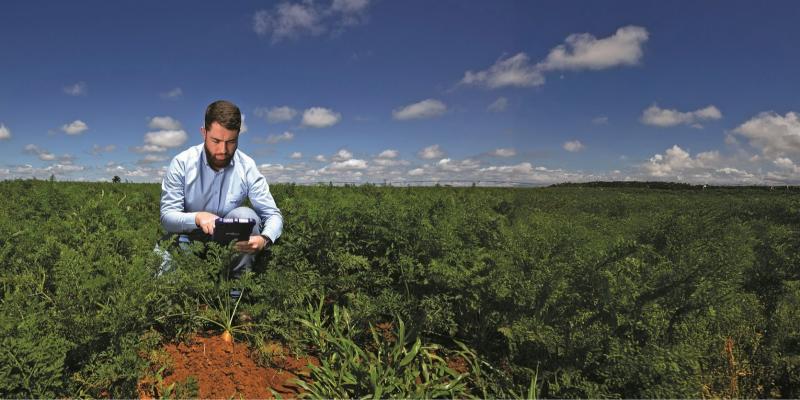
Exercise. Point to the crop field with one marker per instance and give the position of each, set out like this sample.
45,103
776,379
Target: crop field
570,291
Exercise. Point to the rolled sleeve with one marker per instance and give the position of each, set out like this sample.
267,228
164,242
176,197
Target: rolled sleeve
173,217
264,205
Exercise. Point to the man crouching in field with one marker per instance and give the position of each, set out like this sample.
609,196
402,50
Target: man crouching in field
212,180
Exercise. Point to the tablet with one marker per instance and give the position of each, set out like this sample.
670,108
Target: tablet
227,230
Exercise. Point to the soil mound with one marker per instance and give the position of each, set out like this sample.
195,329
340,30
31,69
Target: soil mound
228,370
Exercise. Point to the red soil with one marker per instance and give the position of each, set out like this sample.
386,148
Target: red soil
226,370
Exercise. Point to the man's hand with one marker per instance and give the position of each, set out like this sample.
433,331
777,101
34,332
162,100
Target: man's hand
205,221
256,243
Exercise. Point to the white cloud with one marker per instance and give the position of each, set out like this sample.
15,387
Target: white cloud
276,114
431,152
320,158
677,163
351,164
149,148
514,71
5,133
268,169
449,165
389,153
416,172
43,154
424,109
283,137
580,51
342,155
318,117
498,105
296,155
503,152
287,21
657,116
601,120
97,149
164,123
774,134
573,146
584,51
172,94
151,158
75,127
78,89
388,162
243,127
166,138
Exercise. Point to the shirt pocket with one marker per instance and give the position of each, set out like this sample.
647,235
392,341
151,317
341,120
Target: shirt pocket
236,196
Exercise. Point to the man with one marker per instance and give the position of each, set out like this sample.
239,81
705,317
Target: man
211,180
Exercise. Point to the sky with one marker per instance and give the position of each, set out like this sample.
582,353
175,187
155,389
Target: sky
408,92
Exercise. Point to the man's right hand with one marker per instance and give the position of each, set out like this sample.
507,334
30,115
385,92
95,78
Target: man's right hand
205,221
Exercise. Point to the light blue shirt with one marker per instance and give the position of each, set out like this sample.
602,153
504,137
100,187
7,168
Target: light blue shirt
191,185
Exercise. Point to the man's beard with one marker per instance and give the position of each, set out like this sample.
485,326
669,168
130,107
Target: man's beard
216,163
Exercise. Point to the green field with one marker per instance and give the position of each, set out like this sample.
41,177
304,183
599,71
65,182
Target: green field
630,292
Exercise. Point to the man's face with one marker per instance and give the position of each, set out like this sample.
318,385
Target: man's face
220,144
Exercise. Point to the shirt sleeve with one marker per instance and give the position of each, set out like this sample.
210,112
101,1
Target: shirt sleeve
264,205
173,217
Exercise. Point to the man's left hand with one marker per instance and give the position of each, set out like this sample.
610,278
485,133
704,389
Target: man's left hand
255,244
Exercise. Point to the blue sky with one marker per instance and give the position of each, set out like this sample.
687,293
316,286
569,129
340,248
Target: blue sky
405,91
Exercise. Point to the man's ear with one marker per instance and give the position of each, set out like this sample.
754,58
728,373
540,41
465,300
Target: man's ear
203,132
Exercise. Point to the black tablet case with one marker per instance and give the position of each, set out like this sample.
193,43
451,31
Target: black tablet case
227,230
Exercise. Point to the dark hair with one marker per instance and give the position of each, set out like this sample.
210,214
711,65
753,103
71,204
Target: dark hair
224,113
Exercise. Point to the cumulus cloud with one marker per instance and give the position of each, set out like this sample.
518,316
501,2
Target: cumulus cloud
151,159
676,162
288,20
243,128
573,146
389,153
503,152
416,172
318,117
579,51
164,123
43,154
166,138
172,94
657,116
342,155
431,152
5,133
283,137
276,114
584,51
449,165
75,127
424,109
514,71
775,135
320,158
78,89
498,105
149,148
296,155
351,164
